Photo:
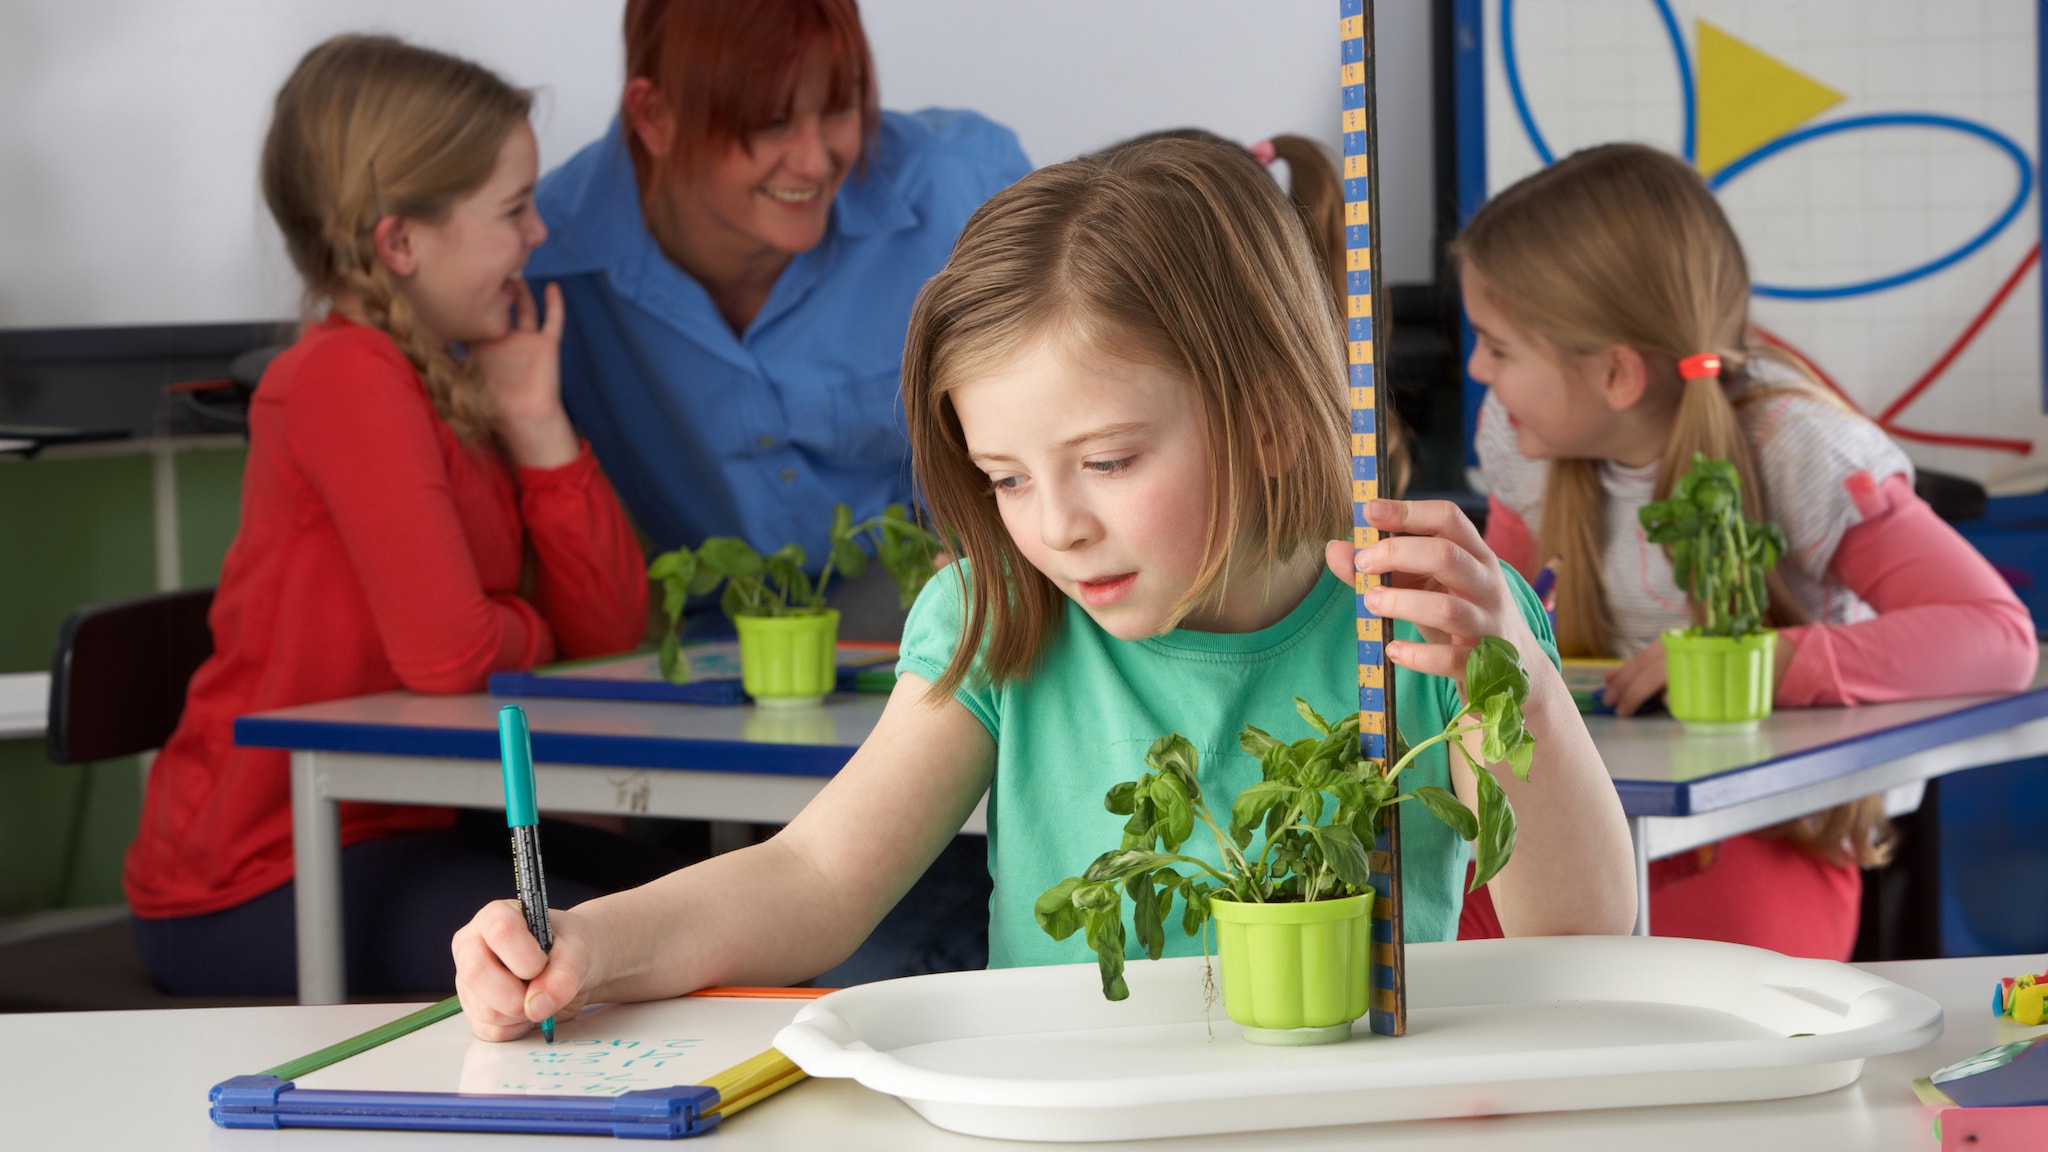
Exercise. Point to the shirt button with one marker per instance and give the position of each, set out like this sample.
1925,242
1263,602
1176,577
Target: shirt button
766,441
789,475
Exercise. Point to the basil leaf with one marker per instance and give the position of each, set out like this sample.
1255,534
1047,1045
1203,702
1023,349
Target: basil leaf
1444,805
1055,909
1106,937
675,667
1122,799
1344,854
1146,914
1176,813
1256,742
1111,867
1314,718
1252,805
1496,839
1494,667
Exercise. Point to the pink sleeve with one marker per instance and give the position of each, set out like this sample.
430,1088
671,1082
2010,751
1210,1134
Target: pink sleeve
1947,624
1509,538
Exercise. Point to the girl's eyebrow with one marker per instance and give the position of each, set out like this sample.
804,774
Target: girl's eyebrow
1107,430
523,193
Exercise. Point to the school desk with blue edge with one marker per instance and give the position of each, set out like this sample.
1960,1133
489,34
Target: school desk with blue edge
135,1080
762,765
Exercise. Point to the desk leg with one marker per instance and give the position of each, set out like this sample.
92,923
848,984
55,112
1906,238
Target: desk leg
1639,832
316,865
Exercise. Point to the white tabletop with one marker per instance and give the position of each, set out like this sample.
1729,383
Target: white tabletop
135,1080
24,705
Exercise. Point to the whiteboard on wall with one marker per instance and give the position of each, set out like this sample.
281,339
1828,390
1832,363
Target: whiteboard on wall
1878,158
131,128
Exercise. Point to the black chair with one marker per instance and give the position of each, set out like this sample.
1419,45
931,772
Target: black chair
117,688
117,679
1953,498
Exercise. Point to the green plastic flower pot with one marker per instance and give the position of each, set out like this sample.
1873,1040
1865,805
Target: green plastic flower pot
1720,683
789,661
1295,973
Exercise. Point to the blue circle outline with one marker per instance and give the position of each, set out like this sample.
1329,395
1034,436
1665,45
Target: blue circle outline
1687,89
1523,112
1765,151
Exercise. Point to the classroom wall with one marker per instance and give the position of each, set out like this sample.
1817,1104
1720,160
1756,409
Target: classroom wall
80,531
128,150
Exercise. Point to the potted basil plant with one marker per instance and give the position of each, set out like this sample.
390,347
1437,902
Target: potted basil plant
788,637
1721,670
1291,886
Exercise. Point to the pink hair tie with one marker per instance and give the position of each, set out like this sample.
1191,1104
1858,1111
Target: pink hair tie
1705,364
1262,151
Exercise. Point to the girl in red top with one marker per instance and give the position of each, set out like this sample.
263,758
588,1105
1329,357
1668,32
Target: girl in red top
412,518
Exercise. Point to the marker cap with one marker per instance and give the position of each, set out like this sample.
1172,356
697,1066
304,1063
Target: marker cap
515,748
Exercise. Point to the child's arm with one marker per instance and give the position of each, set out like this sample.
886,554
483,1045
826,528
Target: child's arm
590,579
358,431
1947,624
1573,870
775,913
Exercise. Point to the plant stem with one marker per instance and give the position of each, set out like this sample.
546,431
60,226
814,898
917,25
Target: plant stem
1199,863
1228,850
1446,734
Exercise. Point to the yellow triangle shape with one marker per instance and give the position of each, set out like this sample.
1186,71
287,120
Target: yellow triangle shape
1747,99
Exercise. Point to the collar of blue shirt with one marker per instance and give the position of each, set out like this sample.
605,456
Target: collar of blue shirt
596,221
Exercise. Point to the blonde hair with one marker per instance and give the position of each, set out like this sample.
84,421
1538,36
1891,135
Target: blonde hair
369,127
1318,194
1174,254
1624,245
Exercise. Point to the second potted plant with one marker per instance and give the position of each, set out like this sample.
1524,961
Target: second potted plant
788,638
1293,914
1721,672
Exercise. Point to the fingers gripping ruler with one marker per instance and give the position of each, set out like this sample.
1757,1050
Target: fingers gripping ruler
1365,343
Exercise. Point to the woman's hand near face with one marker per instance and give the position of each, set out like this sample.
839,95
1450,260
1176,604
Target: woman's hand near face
1443,579
521,371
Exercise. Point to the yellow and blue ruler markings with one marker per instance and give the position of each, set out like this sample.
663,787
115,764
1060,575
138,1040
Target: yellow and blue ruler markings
1365,344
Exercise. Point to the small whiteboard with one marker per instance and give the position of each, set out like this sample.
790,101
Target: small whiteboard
607,1051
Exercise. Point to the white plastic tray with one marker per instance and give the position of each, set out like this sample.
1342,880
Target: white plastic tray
1494,1026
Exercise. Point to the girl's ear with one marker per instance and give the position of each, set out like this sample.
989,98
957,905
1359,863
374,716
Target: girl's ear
648,116
1625,377
392,239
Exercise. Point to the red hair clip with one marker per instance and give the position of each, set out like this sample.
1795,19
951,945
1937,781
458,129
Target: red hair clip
1694,367
1262,151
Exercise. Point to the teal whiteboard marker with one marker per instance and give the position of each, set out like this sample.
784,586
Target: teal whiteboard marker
515,748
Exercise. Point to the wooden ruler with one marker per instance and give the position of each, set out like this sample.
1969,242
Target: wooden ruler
1366,343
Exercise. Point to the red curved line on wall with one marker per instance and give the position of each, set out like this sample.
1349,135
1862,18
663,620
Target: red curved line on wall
1982,318
1887,419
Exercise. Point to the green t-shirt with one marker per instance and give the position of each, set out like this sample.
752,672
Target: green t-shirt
1085,716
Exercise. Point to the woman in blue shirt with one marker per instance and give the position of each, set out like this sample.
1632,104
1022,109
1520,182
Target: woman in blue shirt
740,253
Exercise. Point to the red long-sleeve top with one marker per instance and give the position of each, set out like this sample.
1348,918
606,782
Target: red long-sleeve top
376,552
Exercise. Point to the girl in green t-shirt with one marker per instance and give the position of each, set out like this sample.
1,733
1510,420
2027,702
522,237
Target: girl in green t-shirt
1126,394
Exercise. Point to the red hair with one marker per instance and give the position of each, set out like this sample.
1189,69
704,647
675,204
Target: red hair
727,69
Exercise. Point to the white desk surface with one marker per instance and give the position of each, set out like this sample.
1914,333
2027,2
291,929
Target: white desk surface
24,705
138,1080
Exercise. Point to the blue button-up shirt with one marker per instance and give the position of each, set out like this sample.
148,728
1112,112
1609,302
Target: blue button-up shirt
705,432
